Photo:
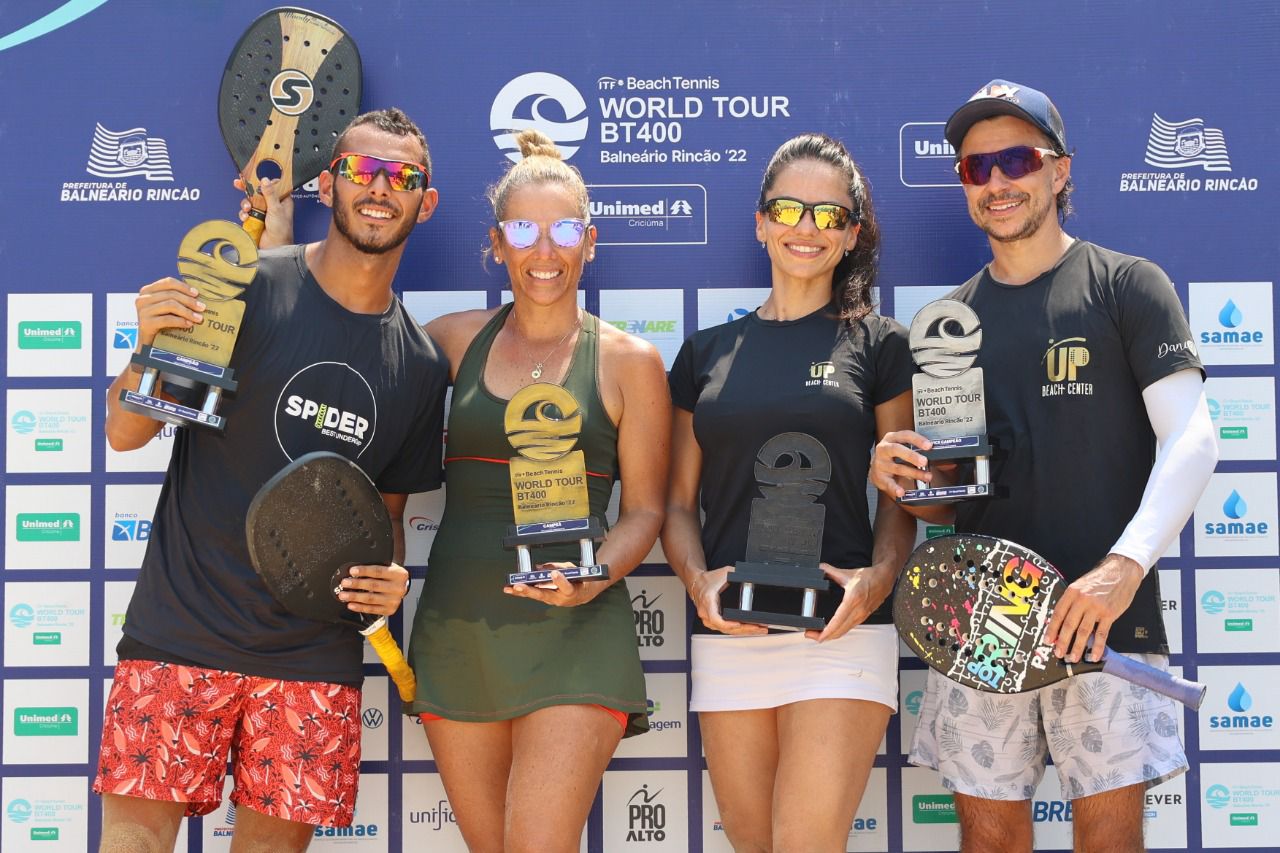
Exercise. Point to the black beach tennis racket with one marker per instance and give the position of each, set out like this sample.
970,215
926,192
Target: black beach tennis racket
307,526
975,608
291,85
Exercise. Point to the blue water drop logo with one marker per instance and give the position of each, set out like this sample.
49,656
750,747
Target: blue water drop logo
1234,506
1230,315
1239,700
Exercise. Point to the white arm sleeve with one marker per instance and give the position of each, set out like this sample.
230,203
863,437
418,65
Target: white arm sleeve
1186,453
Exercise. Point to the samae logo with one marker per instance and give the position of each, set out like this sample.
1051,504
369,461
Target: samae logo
1240,702
1235,509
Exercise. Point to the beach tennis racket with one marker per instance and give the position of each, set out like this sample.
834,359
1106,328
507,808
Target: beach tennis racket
975,609
307,526
291,85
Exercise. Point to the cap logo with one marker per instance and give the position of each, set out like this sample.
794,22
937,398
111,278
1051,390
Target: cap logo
997,91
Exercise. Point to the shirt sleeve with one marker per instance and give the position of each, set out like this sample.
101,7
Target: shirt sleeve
683,383
893,365
1157,338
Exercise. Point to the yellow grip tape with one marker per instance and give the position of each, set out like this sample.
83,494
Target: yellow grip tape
385,645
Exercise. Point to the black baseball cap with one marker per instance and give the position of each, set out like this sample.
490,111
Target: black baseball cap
1001,97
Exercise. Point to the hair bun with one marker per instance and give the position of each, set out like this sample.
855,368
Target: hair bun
535,143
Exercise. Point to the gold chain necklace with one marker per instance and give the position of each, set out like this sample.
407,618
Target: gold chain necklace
538,363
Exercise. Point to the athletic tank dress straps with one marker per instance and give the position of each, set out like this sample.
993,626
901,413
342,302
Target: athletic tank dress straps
479,654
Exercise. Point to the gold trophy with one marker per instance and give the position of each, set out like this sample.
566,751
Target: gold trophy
549,483
219,260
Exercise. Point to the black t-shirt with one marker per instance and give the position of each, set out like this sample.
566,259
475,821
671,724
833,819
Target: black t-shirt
1065,360
312,376
751,380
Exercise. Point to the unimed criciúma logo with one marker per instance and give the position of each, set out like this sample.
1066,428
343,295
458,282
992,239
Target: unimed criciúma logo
48,527
933,808
46,722
50,334
542,101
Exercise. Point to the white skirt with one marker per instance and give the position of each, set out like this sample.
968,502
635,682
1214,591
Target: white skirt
748,673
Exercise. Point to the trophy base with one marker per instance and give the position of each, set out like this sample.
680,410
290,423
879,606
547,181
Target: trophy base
193,370
809,578
948,494
780,621
170,412
573,574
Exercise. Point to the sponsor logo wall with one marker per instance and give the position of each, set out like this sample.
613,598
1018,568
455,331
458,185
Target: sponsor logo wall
671,116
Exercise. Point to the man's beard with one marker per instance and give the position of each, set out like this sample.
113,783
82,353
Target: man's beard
1035,217
369,247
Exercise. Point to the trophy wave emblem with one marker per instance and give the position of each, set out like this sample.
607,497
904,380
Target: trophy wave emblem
543,422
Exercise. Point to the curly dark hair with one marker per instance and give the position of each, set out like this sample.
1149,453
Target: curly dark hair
855,274
392,120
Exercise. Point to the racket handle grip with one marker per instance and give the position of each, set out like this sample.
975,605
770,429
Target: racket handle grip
389,653
255,223
1189,693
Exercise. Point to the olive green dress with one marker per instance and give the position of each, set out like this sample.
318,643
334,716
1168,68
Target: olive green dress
479,654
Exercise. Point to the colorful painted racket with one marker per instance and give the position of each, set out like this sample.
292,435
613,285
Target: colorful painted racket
975,609
307,526
291,85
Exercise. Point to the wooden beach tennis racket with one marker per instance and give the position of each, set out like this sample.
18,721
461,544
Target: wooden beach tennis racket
975,609
291,85
307,526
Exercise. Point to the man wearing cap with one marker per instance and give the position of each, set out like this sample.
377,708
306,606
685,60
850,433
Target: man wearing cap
1094,396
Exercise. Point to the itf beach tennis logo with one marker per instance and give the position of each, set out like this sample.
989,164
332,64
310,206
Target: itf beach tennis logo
127,154
545,102
1180,145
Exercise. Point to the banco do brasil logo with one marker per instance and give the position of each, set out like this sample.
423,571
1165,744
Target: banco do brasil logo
545,102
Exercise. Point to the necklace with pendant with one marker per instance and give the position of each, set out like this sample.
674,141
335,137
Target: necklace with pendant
536,373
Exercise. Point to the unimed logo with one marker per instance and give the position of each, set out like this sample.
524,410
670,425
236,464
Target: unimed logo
46,722
933,808
48,527
50,334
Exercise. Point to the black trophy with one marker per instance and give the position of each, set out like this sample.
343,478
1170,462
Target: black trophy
784,537
949,399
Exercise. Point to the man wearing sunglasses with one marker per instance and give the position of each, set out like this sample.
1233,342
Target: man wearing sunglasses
1089,369
210,665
